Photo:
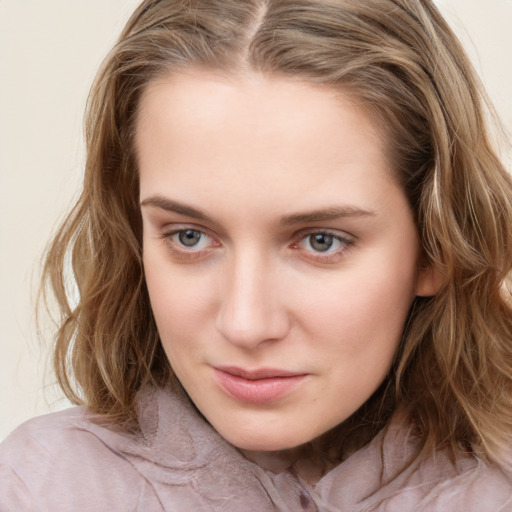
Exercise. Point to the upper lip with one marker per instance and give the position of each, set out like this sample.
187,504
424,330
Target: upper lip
259,373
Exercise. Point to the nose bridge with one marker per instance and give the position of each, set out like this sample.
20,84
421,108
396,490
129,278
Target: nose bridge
251,310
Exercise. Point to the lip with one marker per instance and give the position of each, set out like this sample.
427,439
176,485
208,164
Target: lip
263,385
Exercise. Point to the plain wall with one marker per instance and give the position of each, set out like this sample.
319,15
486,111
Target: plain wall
49,53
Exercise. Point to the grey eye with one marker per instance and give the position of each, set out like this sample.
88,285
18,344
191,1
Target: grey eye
321,242
189,237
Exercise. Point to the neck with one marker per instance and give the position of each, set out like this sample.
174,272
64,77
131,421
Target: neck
306,463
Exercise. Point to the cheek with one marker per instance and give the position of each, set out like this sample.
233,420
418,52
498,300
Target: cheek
360,316
178,310
362,297
178,302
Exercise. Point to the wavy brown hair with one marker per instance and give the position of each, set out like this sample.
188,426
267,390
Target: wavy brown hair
400,59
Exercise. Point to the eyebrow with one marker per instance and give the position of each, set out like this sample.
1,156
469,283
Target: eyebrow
324,214
173,206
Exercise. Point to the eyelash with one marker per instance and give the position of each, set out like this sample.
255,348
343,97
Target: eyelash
181,252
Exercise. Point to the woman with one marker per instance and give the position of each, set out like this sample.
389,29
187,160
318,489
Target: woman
291,252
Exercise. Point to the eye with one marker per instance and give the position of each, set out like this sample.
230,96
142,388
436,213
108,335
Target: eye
321,242
324,246
189,237
189,243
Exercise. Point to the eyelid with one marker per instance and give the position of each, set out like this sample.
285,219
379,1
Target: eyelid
337,233
176,227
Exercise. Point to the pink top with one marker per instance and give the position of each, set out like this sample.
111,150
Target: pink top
67,461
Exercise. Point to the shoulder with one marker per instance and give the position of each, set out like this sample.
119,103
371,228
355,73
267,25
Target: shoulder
56,460
44,438
472,486
446,481
62,421
50,439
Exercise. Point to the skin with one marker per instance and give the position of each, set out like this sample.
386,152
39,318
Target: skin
241,162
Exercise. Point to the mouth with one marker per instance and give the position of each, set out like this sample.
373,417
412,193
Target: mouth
258,386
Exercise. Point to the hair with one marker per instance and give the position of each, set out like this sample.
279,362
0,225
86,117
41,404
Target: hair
399,58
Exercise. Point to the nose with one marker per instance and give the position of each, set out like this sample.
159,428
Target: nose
252,310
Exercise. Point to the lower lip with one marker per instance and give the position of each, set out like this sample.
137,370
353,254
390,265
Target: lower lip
257,391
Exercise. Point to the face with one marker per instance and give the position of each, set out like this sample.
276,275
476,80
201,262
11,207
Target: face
280,253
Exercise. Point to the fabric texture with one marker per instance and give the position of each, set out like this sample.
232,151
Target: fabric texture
70,461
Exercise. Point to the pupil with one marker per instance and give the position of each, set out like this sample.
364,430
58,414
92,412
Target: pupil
189,237
321,242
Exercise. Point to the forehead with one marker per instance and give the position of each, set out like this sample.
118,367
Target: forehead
254,131
252,99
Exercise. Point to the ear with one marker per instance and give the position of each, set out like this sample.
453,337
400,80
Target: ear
428,281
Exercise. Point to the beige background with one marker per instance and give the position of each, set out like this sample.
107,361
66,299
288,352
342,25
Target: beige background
49,52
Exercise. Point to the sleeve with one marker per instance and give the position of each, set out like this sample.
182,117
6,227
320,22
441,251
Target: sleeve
52,464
